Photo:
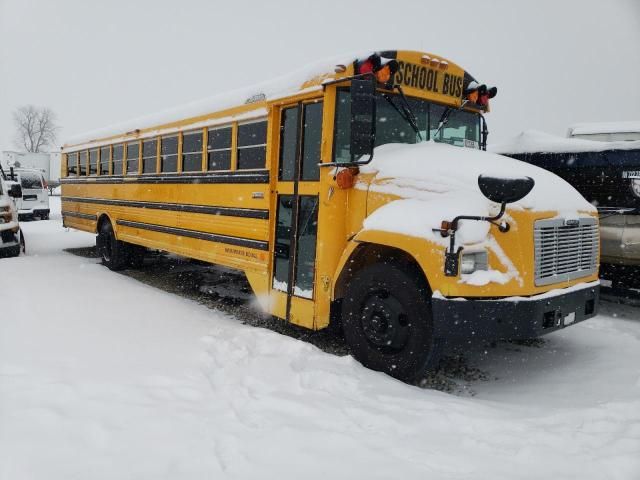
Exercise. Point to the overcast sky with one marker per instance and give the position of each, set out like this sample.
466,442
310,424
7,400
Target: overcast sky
98,63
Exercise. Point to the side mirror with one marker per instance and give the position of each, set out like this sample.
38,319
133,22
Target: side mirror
15,190
363,117
505,190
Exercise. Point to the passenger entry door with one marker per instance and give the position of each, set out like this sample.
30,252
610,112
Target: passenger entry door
293,287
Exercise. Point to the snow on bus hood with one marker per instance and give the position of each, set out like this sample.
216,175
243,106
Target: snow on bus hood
437,182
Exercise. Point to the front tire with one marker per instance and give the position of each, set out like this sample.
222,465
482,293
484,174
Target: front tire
387,321
10,252
113,252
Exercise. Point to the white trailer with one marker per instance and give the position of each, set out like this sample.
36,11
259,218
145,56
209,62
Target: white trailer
606,131
33,161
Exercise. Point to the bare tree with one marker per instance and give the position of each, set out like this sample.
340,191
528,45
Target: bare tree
35,128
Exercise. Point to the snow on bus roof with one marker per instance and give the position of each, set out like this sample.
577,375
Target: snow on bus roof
533,141
278,87
593,128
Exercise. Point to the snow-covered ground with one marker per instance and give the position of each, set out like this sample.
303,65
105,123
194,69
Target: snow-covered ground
103,377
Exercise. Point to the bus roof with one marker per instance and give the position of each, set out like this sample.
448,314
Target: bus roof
251,102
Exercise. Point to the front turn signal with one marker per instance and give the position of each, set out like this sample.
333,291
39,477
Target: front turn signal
346,178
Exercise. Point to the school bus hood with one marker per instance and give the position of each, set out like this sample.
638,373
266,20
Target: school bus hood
413,188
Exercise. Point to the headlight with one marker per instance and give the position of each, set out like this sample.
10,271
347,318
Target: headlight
635,186
473,261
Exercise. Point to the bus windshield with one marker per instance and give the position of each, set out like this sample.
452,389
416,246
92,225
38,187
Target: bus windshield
462,129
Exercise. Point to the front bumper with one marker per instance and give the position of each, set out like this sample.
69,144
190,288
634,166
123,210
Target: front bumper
514,318
9,238
23,212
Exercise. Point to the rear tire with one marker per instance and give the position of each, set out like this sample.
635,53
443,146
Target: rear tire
387,323
136,255
114,253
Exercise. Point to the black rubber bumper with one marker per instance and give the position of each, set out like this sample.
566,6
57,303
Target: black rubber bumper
9,237
502,319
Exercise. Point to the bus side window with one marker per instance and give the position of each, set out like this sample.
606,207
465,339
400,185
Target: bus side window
192,152
118,154
169,154
307,233
342,129
288,143
149,153
252,145
72,164
105,158
93,161
219,149
312,140
282,251
133,153
83,163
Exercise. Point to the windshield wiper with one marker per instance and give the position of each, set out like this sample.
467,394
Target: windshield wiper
404,111
410,116
444,118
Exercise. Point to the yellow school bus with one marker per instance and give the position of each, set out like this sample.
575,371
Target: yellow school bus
356,193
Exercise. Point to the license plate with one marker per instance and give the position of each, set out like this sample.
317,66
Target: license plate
569,319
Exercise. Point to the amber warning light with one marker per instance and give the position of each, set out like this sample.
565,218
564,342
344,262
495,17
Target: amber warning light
479,94
382,68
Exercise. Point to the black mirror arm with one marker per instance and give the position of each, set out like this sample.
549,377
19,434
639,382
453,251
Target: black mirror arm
453,225
503,227
346,79
492,220
355,163
452,255
485,133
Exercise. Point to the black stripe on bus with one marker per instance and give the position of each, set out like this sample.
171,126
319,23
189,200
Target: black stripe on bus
211,237
86,216
177,207
258,176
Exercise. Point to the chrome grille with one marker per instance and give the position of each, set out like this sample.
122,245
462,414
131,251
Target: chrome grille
565,250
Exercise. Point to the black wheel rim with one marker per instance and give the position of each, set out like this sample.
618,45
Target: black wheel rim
385,322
